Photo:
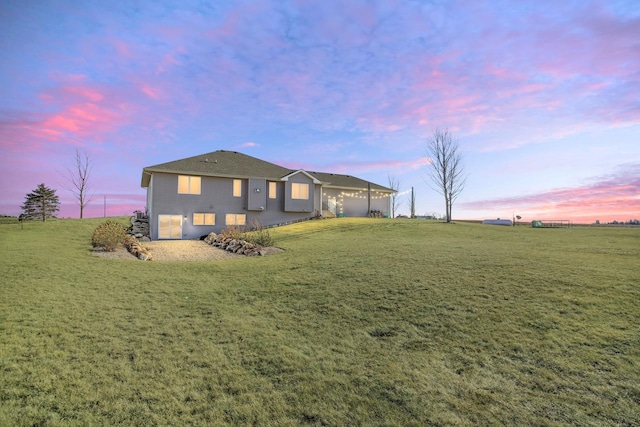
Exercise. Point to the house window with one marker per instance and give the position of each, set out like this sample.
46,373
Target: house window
237,188
299,191
235,219
272,190
204,219
188,184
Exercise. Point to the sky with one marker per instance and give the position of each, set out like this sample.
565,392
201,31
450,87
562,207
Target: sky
542,97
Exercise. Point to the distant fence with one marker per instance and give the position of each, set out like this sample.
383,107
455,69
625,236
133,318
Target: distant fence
551,223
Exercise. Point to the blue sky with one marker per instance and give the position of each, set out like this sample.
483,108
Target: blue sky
542,96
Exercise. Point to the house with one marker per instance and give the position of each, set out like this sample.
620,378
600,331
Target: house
191,197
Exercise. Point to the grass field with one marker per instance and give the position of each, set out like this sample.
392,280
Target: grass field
360,322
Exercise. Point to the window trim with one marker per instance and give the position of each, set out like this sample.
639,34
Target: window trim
273,190
235,217
237,188
205,215
296,188
191,184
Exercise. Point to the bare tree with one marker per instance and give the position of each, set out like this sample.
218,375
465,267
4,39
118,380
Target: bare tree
394,184
78,178
445,170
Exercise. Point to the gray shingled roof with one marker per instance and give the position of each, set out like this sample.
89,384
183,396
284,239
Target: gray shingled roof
346,181
232,164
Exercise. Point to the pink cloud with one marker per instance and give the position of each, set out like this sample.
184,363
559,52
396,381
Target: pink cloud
379,123
608,198
114,204
593,40
85,92
20,131
151,92
122,48
474,86
80,112
84,119
248,144
169,60
60,122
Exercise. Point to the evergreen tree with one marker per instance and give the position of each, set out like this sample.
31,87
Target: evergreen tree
41,203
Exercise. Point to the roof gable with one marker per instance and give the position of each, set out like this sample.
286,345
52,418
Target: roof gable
348,182
311,177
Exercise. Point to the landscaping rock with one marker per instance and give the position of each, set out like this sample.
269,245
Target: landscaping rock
237,246
136,249
139,226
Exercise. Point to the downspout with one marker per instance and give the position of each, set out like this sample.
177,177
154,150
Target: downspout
150,208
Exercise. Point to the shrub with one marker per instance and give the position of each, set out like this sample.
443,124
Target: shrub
258,235
233,232
108,236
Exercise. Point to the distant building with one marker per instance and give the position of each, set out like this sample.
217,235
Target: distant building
497,221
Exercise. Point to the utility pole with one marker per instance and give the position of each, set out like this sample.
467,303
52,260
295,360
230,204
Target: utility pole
413,204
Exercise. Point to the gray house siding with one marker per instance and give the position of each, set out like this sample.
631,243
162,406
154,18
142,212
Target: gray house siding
216,196
217,172
299,205
257,194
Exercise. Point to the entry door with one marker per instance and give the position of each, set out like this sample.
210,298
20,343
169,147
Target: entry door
169,226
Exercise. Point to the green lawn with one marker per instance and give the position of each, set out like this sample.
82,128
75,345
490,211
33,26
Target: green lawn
372,322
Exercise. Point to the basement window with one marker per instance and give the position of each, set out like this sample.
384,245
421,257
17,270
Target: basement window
235,219
204,219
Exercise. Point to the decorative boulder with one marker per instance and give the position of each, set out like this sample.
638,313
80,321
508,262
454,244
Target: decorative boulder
136,249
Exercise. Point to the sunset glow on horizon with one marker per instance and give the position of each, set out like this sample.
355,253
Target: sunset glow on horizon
543,97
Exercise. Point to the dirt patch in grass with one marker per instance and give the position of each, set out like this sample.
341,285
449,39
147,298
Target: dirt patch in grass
179,250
